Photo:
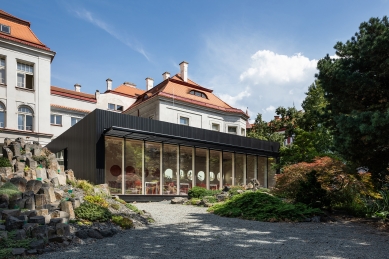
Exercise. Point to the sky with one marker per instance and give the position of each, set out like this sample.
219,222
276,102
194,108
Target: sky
256,55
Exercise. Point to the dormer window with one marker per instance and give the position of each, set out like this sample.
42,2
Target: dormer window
5,28
197,93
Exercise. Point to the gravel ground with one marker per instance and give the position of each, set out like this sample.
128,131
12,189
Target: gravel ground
190,232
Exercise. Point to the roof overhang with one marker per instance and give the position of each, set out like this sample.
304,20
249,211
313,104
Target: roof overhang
129,133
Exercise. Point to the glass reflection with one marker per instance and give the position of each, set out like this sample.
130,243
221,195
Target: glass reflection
201,167
262,171
251,168
152,168
240,165
113,164
186,168
169,168
271,172
214,168
133,166
227,168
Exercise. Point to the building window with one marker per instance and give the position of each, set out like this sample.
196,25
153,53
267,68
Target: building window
25,118
184,121
25,76
242,132
5,28
2,115
197,93
74,120
2,71
215,127
232,129
56,119
115,107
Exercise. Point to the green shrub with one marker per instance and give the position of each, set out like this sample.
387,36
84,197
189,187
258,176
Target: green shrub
96,199
4,162
123,222
200,192
72,183
115,206
311,193
121,201
92,212
9,189
234,190
133,208
261,206
209,199
42,160
86,186
194,201
7,244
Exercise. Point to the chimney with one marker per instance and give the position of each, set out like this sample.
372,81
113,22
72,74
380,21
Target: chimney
109,84
184,70
165,75
97,94
129,84
149,83
77,87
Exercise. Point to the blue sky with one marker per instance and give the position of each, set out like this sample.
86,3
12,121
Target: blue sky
255,54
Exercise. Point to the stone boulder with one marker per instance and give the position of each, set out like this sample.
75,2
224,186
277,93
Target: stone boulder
7,142
40,201
10,213
61,179
31,163
41,173
59,194
6,171
178,200
62,229
15,148
68,207
51,173
40,232
13,223
19,182
70,175
4,200
7,152
33,185
21,141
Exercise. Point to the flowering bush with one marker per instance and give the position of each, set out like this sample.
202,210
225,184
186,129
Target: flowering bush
338,188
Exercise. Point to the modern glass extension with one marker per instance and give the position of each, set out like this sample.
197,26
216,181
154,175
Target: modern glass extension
138,167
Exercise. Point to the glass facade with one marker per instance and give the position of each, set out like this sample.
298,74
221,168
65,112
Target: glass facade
215,172
152,168
169,169
240,168
227,168
262,171
114,164
186,170
135,167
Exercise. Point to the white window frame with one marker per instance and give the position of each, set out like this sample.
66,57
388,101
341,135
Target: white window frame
115,107
215,124
242,132
24,69
55,119
3,110
236,130
25,114
71,121
2,68
3,25
182,117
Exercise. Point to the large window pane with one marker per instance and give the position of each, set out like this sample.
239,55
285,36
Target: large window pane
271,172
240,167
2,119
152,168
251,168
28,122
214,169
201,167
113,164
186,173
227,168
20,82
21,122
262,171
133,167
2,76
169,169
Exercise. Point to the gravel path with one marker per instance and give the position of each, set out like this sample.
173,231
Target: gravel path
190,232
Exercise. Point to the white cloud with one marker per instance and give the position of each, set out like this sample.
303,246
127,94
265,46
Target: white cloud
272,68
271,108
122,37
234,100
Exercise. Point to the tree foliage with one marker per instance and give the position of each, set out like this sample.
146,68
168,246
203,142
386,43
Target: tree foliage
356,87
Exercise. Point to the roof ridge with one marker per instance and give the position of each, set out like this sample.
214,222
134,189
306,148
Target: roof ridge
14,18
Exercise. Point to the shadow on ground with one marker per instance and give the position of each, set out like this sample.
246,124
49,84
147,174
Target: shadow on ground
210,236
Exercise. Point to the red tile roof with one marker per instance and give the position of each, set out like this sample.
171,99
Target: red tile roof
176,88
72,94
126,90
69,108
20,31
